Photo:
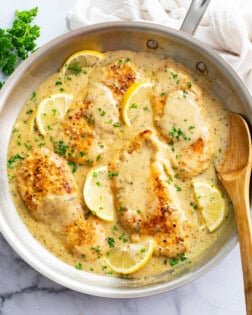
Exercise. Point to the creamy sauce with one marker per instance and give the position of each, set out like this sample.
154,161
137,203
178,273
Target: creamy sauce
174,87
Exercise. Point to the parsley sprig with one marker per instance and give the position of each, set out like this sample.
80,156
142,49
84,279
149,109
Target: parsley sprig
18,42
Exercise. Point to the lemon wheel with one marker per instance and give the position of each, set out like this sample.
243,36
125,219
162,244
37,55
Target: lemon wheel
211,203
98,195
133,101
51,111
131,257
79,60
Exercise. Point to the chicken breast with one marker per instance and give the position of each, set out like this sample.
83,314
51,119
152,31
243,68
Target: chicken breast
147,206
85,238
49,191
119,75
93,120
181,119
48,188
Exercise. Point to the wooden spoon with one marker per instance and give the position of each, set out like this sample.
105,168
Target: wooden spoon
235,173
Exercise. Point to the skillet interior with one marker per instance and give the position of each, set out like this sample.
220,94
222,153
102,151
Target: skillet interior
47,60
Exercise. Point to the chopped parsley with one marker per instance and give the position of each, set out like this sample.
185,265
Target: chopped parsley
88,161
112,174
50,127
174,75
99,156
61,148
189,84
177,187
96,249
191,127
89,119
28,146
41,144
134,105
177,133
194,205
117,124
175,260
183,257
114,228
29,112
75,67
73,165
169,180
79,266
123,60
101,111
13,160
185,93
34,94
111,242
123,238
87,214
121,209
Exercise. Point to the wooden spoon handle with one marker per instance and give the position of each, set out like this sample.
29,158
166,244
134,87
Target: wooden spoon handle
240,199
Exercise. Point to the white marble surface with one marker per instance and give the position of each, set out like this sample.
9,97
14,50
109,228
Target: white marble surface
23,291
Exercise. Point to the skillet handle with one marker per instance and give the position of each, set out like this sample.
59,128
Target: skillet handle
194,15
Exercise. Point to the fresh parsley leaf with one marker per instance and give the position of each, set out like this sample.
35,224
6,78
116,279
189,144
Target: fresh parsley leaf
18,42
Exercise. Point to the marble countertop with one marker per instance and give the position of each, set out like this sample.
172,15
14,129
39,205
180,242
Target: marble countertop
24,291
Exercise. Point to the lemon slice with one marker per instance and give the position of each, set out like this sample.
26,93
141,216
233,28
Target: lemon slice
134,98
79,60
98,195
211,204
51,111
131,257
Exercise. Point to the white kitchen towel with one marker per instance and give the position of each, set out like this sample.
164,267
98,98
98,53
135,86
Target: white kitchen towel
226,25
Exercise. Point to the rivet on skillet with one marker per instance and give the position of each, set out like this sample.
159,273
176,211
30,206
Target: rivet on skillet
152,44
201,66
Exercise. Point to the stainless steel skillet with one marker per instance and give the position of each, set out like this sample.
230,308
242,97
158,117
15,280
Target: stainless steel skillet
136,36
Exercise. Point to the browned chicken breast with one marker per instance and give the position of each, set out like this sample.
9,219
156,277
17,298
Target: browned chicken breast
182,121
120,76
49,191
147,206
86,238
48,188
95,113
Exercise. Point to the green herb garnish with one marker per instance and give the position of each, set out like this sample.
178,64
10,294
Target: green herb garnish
18,42
79,266
177,133
73,165
61,148
111,242
112,174
14,159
